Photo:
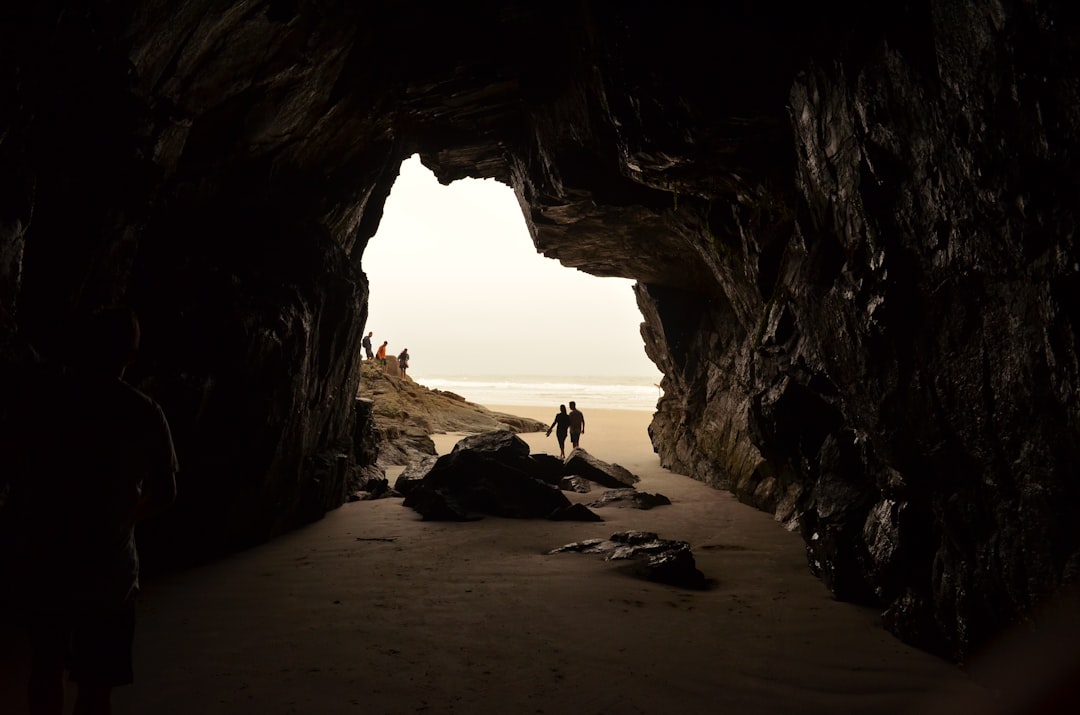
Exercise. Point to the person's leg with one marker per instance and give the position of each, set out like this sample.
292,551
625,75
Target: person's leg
93,700
45,689
102,658
45,693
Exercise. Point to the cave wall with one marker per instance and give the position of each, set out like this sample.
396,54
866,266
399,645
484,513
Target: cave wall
852,231
941,173
193,160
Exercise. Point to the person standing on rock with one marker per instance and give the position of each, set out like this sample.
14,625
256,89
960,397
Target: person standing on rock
560,424
381,354
366,342
403,361
577,424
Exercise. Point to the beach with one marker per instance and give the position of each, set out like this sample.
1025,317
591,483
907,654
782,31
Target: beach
372,610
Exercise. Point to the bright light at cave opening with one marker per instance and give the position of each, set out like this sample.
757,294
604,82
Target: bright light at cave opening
454,277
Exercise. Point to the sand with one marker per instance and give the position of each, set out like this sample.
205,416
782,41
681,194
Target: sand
372,610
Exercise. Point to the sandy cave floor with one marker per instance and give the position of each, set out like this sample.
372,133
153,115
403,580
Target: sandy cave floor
372,610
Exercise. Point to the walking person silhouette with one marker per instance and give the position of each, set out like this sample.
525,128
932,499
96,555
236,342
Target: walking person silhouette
561,424
577,424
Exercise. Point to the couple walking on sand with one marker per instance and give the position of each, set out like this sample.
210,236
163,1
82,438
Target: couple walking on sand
572,422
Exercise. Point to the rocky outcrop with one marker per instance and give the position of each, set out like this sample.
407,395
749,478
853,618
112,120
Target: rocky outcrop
405,415
852,228
494,473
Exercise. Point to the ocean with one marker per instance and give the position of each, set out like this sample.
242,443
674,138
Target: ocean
609,393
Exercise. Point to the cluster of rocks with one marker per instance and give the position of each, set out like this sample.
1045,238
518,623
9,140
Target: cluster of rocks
648,557
493,473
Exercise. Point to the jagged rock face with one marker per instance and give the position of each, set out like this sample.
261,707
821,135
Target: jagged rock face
853,236
944,339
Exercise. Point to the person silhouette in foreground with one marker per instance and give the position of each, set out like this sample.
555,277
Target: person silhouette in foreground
560,424
381,354
366,343
107,463
577,424
403,361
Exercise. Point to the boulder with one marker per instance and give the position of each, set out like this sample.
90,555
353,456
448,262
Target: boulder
403,443
439,505
499,444
580,485
492,476
414,474
673,565
372,486
630,498
550,468
361,475
585,465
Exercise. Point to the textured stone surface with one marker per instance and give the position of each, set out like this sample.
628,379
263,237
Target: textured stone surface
852,227
650,557
575,484
406,414
630,498
581,463
489,473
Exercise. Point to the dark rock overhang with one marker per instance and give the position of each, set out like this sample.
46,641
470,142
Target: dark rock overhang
852,229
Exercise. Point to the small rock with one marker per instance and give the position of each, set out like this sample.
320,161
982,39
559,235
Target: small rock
630,498
651,557
575,483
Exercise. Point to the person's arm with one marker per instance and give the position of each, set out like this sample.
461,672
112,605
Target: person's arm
553,423
582,423
159,486
159,492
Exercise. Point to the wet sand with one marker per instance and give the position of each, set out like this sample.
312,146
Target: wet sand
372,610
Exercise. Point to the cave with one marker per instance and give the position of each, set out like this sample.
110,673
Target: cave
851,229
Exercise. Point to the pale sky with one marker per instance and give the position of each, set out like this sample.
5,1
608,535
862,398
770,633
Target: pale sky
456,279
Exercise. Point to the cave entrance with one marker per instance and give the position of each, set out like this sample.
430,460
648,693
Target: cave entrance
455,278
